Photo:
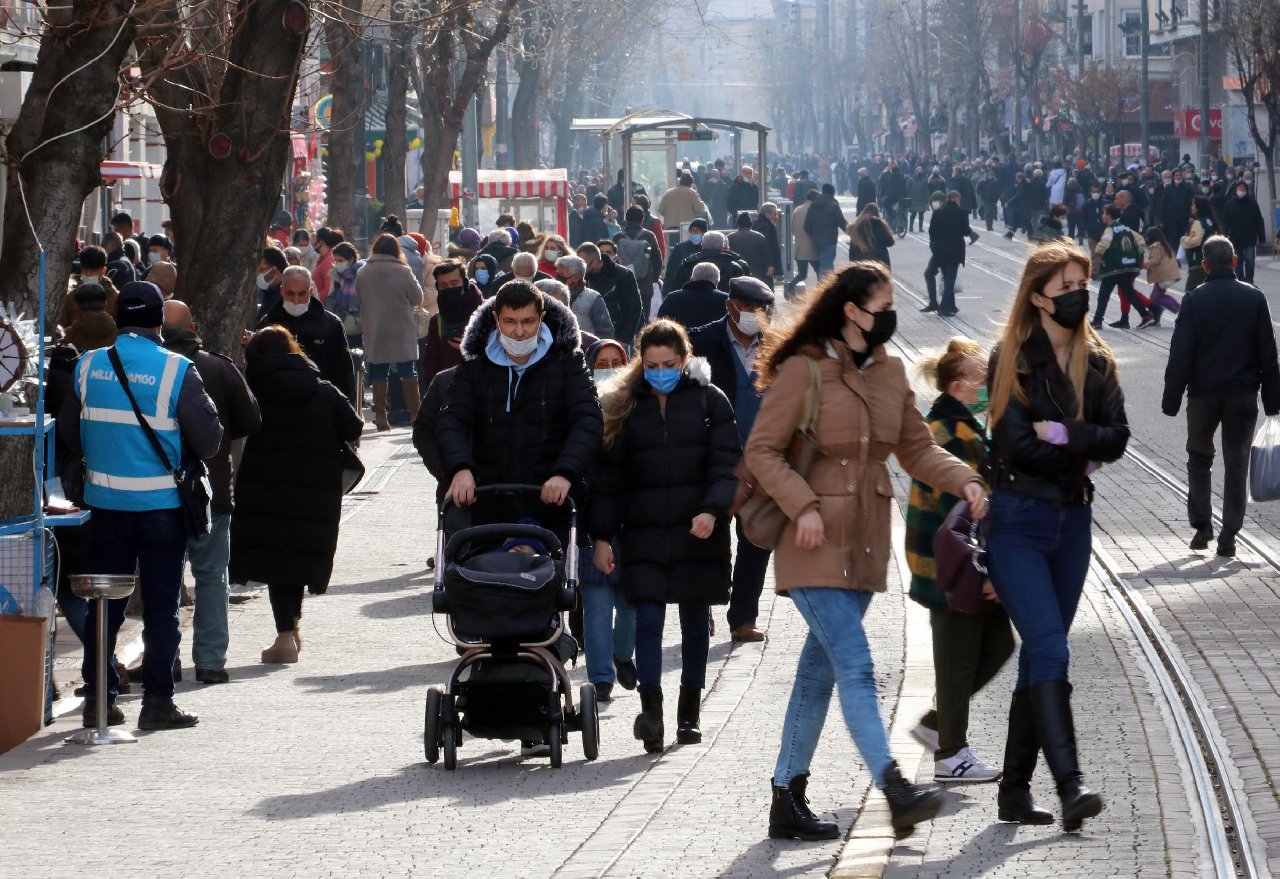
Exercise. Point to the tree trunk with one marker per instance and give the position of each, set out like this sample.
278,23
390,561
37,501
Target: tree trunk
564,121
220,207
436,164
525,136
396,146
346,86
50,178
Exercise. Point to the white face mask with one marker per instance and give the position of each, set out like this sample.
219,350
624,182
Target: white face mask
551,255
748,322
263,283
308,250
600,376
155,256
296,309
340,267
517,348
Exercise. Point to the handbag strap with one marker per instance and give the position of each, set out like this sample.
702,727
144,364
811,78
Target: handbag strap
142,421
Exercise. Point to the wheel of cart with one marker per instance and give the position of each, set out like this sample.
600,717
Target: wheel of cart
431,725
589,721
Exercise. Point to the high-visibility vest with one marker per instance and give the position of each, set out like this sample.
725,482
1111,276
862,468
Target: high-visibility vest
122,470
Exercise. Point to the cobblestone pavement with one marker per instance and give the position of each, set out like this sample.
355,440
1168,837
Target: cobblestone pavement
317,769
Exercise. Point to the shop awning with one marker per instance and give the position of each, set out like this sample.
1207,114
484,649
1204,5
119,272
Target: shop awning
538,183
114,170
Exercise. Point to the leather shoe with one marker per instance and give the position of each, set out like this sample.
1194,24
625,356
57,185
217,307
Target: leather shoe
747,633
1201,538
89,718
165,715
626,672
604,691
212,676
1226,549
932,306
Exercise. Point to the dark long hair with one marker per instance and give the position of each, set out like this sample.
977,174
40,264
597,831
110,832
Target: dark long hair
1204,209
823,315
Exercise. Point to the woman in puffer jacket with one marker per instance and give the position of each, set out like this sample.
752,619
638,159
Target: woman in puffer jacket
663,488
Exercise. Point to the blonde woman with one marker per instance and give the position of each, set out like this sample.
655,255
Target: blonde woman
1057,412
663,490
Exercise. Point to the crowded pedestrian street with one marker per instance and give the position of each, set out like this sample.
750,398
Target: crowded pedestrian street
316,768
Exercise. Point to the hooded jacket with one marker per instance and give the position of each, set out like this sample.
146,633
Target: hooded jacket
621,293
661,472
507,425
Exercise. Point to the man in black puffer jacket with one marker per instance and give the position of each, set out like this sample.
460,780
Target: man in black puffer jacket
617,287
522,406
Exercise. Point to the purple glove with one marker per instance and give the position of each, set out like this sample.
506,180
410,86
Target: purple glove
1056,434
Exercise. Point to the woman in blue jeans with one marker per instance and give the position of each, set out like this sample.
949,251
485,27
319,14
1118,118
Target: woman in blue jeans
1057,413
663,489
833,553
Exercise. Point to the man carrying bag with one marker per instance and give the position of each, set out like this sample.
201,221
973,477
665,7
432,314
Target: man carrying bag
142,484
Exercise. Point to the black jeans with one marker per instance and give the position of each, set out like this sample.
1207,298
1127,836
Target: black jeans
1237,412
749,570
1127,292
153,544
286,604
968,651
948,302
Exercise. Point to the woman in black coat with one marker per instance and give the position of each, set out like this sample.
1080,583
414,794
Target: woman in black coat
664,487
289,485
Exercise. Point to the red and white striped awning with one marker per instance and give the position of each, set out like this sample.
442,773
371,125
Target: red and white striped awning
539,183
114,170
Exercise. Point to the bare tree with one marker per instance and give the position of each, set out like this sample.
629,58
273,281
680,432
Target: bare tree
346,84
1252,30
1095,98
396,146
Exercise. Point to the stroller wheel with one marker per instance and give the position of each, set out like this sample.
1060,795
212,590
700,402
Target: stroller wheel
431,725
589,721
449,735
554,737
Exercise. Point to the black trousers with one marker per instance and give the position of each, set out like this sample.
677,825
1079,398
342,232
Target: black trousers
286,604
749,570
968,651
1236,412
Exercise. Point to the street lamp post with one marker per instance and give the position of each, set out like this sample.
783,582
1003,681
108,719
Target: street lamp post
1203,62
1144,110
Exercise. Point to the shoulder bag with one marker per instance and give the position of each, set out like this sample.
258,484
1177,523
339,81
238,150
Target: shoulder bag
961,558
761,518
191,479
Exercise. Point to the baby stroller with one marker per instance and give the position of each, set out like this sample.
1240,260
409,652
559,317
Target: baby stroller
505,613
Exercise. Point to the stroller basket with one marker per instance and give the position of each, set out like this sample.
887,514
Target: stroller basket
502,595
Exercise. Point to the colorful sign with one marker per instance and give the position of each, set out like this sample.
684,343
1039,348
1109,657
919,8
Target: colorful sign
323,112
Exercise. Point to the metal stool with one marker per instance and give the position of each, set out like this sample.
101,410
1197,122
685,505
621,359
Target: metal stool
102,588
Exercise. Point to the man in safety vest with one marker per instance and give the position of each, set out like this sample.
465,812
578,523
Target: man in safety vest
137,521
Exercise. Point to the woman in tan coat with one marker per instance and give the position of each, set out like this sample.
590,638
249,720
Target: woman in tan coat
834,552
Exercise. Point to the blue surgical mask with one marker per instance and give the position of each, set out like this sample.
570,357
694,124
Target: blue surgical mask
663,381
695,239
482,276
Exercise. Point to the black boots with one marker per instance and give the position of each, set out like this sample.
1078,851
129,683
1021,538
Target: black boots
1051,708
1020,750
909,804
687,732
790,816
648,725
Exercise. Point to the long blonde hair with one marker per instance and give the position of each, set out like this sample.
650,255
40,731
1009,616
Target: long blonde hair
617,395
1024,317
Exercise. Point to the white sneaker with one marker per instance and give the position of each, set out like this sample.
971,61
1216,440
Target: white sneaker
965,766
928,738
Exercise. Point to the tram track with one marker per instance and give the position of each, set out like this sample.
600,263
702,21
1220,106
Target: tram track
1224,815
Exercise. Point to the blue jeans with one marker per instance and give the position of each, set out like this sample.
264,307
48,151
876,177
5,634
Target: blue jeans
826,260
1245,257
151,543
1037,558
835,654
380,372
695,644
208,556
609,623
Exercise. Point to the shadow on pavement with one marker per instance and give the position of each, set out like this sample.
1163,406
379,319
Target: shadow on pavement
415,577
386,680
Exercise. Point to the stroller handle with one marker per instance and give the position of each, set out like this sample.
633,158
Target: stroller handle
510,488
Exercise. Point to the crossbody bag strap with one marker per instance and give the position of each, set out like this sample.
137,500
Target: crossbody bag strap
142,421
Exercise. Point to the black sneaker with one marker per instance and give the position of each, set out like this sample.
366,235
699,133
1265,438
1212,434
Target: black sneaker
1122,324
929,308
1202,538
626,671
212,676
165,715
604,691
115,716
1096,324
1148,322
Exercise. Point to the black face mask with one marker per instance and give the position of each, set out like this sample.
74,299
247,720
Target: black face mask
882,326
1071,308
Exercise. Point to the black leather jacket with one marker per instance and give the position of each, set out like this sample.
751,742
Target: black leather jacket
1021,462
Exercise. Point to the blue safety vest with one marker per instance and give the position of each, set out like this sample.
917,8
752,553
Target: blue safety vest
122,470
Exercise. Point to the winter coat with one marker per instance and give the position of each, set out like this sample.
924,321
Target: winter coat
866,192
621,293
322,339
1242,221
1162,266
804,249
592,312
968,198
661,472
90,330
864,415
590,226
678,205
731,266
237,409
883,240
503,430
502,255
918,194
754,249
678,255
769,230
71,309
694,305
955,429
743,196
1024,464
424,427
948,231
388,294
289,486
824,222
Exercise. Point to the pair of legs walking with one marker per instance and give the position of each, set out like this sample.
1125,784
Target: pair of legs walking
1128,295
947,306
695,644
286,609
608,629
1237,413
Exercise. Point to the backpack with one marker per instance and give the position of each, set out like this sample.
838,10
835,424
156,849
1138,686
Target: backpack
634,254
1123,255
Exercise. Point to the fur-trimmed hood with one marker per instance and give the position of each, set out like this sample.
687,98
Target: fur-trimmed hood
565,336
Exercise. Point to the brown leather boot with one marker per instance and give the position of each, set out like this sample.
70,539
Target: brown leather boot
380,406
412,396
